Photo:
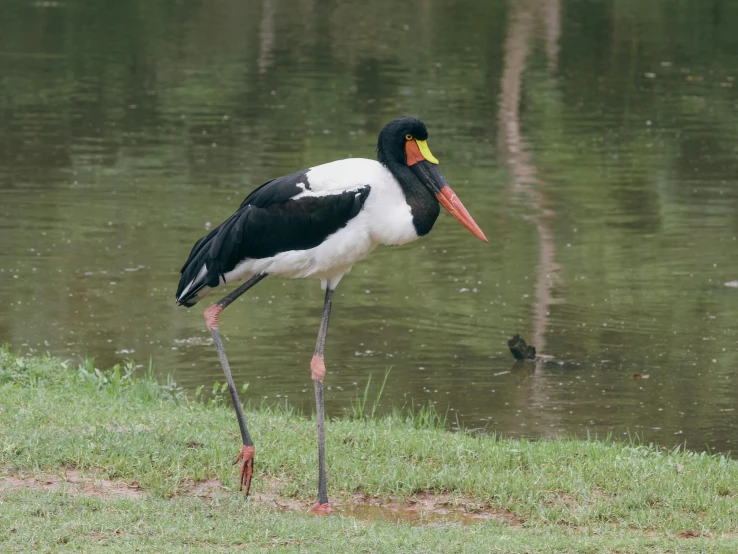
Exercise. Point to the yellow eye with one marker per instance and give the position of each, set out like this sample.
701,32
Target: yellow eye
408,137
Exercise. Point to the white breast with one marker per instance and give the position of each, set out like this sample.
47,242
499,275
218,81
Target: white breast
386,214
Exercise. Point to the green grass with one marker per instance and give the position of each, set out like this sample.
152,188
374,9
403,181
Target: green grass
570,495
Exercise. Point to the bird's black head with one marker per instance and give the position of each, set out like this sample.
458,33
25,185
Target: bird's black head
402,148
394,136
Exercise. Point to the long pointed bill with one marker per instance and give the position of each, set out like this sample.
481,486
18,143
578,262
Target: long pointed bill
451,202
425,166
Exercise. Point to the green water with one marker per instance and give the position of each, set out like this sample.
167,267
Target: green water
596,144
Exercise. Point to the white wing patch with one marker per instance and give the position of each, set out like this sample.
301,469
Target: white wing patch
203,271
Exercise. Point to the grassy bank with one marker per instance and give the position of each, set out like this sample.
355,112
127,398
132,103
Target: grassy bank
140,452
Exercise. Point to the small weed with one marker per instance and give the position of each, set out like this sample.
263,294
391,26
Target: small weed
424,417
359,406
115,382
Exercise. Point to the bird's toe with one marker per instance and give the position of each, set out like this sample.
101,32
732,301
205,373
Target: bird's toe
246,457
321,509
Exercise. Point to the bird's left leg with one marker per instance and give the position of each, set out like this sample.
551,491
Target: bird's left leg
317,366
246,455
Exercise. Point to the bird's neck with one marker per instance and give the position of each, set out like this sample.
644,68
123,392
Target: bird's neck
423,205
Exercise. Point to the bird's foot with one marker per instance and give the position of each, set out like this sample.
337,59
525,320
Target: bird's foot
321,509
246,457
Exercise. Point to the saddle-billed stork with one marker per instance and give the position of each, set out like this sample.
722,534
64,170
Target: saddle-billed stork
318,223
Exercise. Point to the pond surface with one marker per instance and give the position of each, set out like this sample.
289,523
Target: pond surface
596,144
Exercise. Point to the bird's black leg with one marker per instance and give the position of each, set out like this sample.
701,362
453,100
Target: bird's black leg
317,365
246,456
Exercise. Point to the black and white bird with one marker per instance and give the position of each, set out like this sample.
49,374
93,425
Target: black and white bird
318,223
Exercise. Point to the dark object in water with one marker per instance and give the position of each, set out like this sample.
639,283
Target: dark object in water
520,350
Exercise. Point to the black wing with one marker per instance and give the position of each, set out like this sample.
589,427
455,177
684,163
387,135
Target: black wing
262,232
278,190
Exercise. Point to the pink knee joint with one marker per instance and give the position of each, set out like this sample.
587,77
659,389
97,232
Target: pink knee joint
317,365
211,315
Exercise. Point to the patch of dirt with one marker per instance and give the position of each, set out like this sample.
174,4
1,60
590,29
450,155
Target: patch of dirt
74,481
423,507
420,508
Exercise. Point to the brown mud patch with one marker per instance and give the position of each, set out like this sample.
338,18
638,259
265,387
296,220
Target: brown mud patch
424,508
420,508
73,481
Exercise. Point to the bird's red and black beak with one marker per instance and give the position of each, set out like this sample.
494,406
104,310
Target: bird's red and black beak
425,166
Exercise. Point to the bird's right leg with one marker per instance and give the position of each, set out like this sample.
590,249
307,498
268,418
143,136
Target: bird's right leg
317,367
246,456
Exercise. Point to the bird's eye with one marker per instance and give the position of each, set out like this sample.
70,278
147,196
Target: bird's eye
408,137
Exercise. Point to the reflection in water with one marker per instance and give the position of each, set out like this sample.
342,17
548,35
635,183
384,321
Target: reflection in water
266,36
521,25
